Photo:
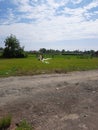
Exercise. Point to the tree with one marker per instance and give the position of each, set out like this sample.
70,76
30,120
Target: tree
42,50
63,51
12,48
1,49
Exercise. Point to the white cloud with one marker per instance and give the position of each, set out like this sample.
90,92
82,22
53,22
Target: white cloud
49,31
91,5
18,2
48,11
57,3
50,27
76,1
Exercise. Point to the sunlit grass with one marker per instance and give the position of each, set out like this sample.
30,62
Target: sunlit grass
58,64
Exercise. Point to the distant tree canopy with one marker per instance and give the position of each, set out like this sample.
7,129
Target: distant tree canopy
91,53
12,48
42,50
1,49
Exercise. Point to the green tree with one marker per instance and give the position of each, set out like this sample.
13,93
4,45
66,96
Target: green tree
42,50
12,48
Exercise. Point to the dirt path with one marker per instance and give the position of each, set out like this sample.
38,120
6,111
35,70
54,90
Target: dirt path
52,102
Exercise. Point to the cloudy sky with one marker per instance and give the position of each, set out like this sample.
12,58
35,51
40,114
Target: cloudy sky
55,24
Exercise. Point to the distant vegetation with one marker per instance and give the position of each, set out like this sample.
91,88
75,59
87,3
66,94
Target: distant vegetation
14,50
12,61
53,52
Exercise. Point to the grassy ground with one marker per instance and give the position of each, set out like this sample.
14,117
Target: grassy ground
58,64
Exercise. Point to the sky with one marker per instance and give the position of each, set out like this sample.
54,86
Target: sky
50,24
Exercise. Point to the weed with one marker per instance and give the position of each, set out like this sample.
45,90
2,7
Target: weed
5,122
24,126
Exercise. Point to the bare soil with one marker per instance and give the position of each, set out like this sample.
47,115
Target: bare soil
52,101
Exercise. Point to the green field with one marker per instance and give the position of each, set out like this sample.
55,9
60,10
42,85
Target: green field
58,64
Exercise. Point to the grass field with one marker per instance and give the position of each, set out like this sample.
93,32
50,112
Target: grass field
58,64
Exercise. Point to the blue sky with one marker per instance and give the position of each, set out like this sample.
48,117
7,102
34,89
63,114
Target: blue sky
55,24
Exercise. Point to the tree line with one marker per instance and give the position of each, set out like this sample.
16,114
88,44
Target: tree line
14,50
64,52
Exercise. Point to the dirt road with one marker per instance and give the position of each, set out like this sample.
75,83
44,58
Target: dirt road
52,102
